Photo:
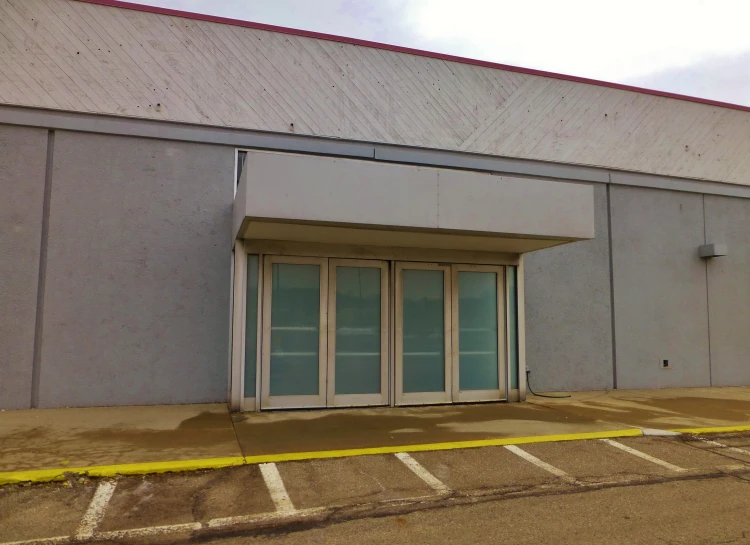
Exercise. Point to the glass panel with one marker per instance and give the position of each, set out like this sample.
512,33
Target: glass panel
251,325
423,331
513,326
295,329
358,301
477,331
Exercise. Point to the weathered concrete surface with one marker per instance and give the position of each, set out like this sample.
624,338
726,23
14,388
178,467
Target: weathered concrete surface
279,432
674,408
42,511
157,500
614,497
493,468
701,511
316,483
568,312
23,159
659,282
138,272
54,438
728,222
674,452
596,461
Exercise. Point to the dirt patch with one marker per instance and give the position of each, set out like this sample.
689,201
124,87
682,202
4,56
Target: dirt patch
331,430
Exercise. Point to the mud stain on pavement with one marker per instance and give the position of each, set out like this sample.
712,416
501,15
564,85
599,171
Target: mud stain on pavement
206,435
333,430
206,420
673,412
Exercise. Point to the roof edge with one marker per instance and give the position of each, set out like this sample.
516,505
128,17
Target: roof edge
409,51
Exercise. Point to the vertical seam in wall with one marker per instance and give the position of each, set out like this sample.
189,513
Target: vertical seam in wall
438,199
42,276
708,304
611,285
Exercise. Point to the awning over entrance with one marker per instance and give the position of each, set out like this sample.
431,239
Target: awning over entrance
283,196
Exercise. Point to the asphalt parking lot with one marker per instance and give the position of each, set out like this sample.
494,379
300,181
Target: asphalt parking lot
293,496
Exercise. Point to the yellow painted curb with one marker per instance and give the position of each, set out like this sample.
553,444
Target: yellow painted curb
58,474
718,429
292,456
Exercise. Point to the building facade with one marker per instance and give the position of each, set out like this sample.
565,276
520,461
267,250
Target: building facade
203,210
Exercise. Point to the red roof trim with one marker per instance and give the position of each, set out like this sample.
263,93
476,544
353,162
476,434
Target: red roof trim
407,50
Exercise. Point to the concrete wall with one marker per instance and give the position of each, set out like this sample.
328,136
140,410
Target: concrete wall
23,158
568,314
137,280
659,288
728,221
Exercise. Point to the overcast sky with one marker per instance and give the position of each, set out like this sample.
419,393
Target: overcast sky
692,47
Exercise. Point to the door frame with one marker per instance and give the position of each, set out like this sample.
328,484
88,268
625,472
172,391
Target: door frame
293,401
358,400
502,357
422,398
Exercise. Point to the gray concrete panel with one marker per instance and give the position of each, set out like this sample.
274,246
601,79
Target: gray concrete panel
568,314
23,159
475,201
728,222
334,190
328,189
138,276
659,288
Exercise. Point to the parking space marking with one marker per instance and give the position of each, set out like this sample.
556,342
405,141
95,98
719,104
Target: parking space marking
263,517
43,541
723,446
87,531
643,455
539,463
95,513
150,531
276,487
420,471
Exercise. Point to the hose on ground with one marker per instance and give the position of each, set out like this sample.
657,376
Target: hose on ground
528,385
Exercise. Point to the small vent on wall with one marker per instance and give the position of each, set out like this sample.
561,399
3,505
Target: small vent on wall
664,364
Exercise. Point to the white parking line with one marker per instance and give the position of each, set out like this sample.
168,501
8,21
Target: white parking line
419,470
263,517
727,447
642,455
539,463
95,512
150,531
276,487
43,541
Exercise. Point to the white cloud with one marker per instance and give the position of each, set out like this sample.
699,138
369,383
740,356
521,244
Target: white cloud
627,42
726,79
591,38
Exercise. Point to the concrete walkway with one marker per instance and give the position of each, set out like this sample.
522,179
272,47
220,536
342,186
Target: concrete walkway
45,444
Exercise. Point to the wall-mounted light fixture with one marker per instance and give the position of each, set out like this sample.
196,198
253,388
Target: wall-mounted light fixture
708,251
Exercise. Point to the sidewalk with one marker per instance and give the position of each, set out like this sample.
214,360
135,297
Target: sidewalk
41,445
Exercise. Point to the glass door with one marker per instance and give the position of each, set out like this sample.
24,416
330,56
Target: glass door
478,313
423,335
357,333
294,342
